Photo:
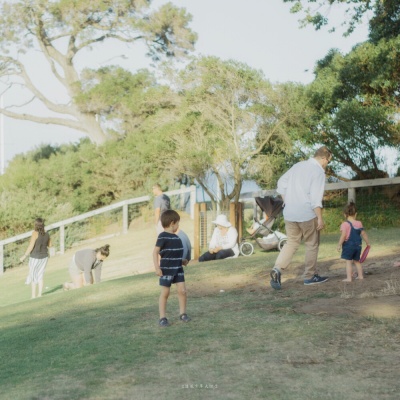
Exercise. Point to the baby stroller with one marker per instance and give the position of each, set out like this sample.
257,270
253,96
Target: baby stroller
272,208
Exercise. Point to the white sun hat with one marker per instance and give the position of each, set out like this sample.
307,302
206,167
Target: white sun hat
222,221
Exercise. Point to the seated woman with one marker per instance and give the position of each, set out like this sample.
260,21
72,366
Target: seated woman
223,242
83,264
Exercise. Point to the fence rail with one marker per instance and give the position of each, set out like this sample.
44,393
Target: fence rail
125,220
350,186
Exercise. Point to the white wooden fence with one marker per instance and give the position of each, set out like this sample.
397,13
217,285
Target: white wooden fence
350,186
122,204
245,197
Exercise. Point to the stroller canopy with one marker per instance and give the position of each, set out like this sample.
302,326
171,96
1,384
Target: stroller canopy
270,205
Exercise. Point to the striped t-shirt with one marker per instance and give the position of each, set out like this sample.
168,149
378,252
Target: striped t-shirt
171,253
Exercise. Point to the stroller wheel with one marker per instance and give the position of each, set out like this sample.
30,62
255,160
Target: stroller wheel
246,249
281,243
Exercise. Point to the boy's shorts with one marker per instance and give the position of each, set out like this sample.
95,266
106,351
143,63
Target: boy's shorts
351,253
168,280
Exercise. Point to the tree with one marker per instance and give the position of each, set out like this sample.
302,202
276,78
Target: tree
386,22
356,96
318,13
227,115
63,29
384,15
356,101
122,99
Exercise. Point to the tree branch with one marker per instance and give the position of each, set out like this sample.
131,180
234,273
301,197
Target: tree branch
43,120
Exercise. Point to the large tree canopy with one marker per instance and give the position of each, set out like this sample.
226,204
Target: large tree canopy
356,99
62,29
356,96
229,123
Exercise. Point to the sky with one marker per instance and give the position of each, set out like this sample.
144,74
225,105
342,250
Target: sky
261,33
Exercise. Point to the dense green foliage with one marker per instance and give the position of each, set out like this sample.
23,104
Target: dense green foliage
355,97
72,179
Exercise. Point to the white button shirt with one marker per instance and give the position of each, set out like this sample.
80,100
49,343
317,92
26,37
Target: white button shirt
302,187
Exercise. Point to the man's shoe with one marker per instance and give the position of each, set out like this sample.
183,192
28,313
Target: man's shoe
163,322
315,279
275,279
184,318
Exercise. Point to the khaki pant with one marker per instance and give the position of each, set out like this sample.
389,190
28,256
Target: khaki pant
296,232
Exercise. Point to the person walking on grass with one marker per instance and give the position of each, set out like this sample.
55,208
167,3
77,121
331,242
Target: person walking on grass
38,256
350,242
302,189
168,264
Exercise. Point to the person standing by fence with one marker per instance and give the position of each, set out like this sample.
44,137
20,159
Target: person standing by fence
38,256
161,203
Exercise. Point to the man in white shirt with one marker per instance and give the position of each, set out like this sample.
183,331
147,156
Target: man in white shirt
302,189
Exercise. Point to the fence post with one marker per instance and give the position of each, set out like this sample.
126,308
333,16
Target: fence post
196,247
125,221
239,220
232,214
351,195
1,259
62,239
192,201
203,225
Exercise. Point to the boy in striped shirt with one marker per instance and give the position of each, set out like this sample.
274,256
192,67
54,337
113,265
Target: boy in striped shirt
168,264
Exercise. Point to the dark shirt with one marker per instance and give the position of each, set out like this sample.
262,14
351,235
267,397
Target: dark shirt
171,252
39,250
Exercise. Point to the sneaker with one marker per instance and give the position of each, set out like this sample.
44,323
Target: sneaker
275,279
184,318
315,279
163,322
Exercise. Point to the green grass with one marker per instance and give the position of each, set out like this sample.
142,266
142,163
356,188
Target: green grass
247,342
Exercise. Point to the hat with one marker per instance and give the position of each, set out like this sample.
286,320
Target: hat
222,221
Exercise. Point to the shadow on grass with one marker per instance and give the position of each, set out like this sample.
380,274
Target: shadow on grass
55,289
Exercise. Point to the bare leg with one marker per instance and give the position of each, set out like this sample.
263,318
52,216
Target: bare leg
359,270
33,287
182,297
77,281
162,304
40,288
349,271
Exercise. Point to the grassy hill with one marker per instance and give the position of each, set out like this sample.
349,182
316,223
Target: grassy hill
245,341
